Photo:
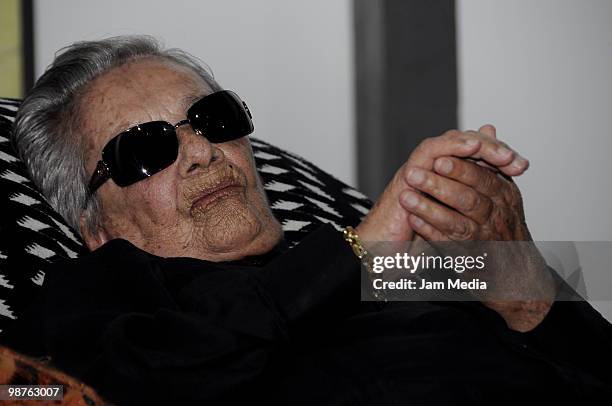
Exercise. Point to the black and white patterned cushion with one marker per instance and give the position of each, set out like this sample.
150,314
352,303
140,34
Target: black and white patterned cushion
32,234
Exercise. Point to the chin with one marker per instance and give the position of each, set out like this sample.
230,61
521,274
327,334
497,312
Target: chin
233,230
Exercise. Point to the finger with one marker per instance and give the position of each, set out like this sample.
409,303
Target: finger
450,223
498,154
483,180
461,197
449,144
483,164
425,230
492,151
467,144
515,169
488,130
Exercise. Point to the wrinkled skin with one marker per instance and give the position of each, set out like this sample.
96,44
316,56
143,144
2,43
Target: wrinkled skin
470,144
157,214
480,203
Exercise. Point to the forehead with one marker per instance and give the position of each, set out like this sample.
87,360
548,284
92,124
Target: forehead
141,79
136,92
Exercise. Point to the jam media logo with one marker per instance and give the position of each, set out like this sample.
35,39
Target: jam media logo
425,284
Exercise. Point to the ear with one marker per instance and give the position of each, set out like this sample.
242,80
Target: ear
95,240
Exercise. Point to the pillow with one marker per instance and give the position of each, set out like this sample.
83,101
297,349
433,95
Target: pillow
17,369
33,235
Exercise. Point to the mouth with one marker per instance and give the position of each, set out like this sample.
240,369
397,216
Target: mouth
208,197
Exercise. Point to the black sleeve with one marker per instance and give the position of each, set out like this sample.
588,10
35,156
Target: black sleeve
212,340
574,334
573,338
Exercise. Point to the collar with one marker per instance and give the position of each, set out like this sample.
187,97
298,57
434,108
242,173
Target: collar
263,259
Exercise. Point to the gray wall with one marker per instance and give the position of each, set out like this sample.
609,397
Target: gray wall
542,72
406,82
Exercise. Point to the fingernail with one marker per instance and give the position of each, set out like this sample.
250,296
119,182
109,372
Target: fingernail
520,164
417,221
416,176
444,165
411,199
471,142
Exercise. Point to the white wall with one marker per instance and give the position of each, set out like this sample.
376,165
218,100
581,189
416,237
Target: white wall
542,72
291,60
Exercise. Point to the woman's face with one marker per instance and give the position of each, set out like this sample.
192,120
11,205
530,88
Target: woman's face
173,212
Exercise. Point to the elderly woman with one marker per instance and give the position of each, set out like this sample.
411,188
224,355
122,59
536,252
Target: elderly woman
191,295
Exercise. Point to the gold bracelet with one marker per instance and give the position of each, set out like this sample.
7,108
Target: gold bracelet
351,236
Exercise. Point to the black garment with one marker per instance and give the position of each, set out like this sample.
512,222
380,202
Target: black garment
289,328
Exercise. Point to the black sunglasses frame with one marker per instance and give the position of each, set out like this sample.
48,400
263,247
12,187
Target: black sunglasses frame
199,121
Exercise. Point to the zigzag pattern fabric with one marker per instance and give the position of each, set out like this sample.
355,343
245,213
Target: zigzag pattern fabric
33,235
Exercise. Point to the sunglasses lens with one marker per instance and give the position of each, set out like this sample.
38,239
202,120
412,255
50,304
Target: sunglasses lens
221,117
149,148
141,152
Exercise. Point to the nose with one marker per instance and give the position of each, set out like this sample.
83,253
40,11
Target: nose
196,153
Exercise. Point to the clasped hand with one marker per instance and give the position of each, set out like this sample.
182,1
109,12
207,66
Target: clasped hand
458,187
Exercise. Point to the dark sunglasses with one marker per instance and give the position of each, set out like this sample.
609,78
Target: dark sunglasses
148,148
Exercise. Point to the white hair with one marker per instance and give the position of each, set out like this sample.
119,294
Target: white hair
46,130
